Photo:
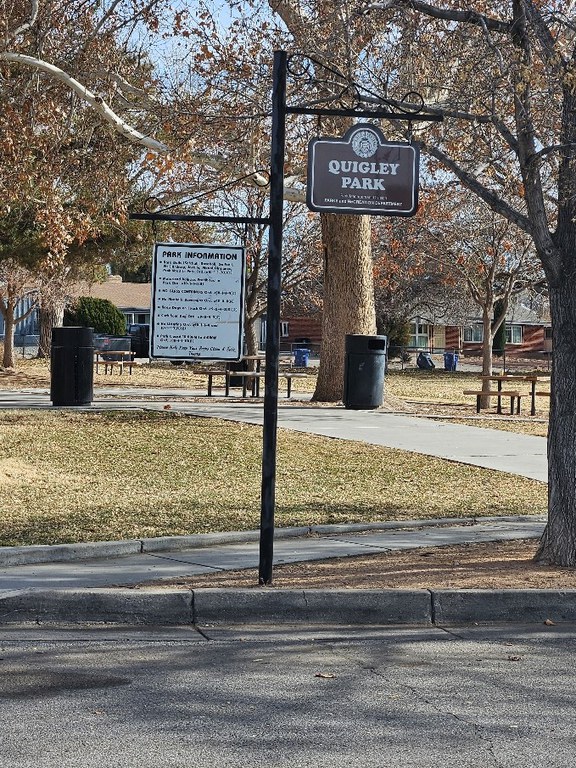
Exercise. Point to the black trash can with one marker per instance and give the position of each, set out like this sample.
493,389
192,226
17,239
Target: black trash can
364,367
237,365
72,366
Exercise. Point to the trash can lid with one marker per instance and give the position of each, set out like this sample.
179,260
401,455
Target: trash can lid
72,336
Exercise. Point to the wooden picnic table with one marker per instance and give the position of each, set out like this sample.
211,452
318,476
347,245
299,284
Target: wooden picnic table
258,359
111,357
532,379
248,372
250,376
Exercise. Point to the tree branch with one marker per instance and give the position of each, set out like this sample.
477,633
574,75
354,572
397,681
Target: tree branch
127,88
30,23
291,194
490,198
543,33
489,119
96,102
463,17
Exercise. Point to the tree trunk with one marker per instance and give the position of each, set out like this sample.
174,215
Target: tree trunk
558,544
50,316
8,357
251,336
486,354
487,343
348,296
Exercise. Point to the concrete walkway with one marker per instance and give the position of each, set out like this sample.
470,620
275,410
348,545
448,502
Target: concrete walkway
523,455
89,582
518,454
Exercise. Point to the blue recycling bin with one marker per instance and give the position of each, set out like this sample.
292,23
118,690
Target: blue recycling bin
301,357
450,361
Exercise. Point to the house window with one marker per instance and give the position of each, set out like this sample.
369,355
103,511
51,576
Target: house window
513,334
419,336
284,330
474,334
139,318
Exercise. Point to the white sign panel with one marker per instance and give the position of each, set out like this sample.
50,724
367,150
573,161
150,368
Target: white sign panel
197,302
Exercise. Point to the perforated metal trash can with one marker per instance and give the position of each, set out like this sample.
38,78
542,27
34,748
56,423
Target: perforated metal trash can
72,366
364,368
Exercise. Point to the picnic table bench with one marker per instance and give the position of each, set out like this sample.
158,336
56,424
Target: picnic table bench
248,378
513,394
111,358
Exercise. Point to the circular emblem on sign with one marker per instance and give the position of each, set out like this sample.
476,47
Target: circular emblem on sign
365,143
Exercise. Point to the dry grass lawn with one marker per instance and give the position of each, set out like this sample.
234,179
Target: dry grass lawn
77,476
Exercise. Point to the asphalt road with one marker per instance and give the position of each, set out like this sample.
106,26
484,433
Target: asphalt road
247,698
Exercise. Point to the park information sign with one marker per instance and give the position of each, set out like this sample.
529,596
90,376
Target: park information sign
197,302
363,173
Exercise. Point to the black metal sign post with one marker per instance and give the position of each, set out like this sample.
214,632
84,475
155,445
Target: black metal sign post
279,111
269,437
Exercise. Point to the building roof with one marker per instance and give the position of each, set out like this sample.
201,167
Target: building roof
122,295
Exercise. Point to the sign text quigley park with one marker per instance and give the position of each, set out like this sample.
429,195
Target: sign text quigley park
363,173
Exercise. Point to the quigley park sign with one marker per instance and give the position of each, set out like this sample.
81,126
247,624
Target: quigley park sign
363,173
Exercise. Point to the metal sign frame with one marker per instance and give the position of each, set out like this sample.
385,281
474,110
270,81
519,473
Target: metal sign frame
408,110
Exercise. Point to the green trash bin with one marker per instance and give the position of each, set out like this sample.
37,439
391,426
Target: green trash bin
364,367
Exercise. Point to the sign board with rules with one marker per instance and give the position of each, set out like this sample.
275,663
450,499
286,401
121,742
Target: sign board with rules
197,302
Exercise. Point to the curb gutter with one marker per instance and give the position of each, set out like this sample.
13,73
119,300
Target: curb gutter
224,607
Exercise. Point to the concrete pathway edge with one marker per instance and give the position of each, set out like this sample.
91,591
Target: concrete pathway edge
54,553
257,606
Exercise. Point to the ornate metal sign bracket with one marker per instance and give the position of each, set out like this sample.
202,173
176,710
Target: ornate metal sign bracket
334,95
342,97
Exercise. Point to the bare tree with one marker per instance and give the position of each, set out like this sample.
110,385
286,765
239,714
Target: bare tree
16,285
504,79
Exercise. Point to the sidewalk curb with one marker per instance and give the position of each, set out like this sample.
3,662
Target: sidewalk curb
54,553
268,606
311,606
484,606
97,606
